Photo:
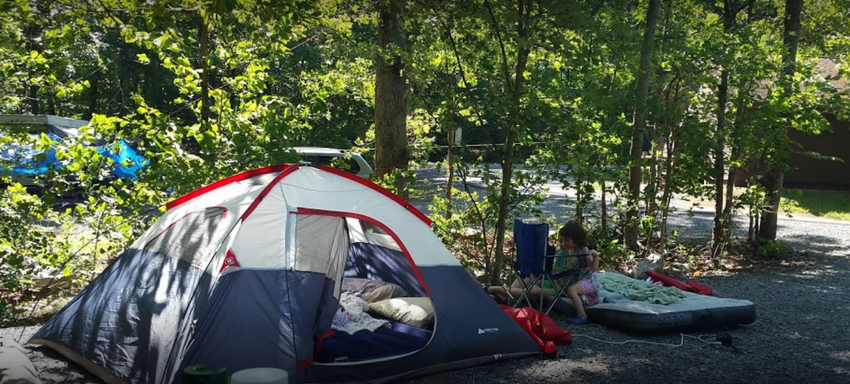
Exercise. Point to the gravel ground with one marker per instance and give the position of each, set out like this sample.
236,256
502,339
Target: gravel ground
800,334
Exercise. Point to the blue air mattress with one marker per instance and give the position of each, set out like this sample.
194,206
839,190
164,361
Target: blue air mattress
398,339
693,312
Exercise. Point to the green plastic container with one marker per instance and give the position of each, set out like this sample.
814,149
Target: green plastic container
200,374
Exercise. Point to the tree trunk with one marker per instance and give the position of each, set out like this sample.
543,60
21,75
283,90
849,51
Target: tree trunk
775,175
515,87
640,124
768,218
735,157
504,201
507,168
94,90
722,223
667,194
719,163
391,151
579,200
205,78
451,173
603,206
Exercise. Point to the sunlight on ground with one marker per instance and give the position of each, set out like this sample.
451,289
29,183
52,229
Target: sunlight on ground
842,355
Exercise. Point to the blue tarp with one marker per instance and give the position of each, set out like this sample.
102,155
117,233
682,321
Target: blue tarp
26,161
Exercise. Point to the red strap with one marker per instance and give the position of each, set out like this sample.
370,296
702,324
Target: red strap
320,342
701,289
668,281
304,364
689,286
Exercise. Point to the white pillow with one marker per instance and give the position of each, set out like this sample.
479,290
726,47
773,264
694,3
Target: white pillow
15,364
413,311
386,291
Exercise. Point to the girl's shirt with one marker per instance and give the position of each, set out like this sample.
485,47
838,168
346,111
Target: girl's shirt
565,261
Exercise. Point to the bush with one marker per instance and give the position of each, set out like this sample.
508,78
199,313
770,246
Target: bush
48,253
773,249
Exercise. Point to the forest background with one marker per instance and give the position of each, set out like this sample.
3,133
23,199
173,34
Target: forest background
636,101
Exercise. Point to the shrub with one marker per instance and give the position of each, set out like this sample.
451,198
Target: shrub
773,249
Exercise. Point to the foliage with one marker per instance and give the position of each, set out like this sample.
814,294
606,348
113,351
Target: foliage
828,204
467,222
196,112
205,89
774,249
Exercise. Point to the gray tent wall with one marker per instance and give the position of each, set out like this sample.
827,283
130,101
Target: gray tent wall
128,324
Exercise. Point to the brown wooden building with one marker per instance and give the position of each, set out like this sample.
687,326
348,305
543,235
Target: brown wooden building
812,172
809,172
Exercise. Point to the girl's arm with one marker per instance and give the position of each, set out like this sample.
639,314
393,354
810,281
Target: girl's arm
593,260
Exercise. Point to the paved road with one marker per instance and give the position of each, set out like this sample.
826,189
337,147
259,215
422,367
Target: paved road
693,224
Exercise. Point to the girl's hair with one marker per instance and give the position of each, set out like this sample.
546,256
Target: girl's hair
574,231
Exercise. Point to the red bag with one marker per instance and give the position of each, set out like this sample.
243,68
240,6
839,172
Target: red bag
540,327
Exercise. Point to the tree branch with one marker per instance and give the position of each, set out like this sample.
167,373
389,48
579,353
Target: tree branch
501,43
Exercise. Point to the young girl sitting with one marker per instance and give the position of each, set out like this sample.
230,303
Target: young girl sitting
572,239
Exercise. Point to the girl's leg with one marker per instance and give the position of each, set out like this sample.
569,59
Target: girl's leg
574,292
498,292
535,293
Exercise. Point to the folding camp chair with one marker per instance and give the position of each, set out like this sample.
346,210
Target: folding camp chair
530,246
535,257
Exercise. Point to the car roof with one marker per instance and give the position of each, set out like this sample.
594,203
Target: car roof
318,151
61,126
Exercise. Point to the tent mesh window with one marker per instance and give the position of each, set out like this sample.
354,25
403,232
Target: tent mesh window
322,246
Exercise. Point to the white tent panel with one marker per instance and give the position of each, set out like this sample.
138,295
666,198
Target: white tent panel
315,189
355,231
362,232
260,241
214,267
235,198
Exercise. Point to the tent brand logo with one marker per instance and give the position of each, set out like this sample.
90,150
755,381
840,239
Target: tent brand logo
482,331
229,261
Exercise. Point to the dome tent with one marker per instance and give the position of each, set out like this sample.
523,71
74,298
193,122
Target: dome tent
247,272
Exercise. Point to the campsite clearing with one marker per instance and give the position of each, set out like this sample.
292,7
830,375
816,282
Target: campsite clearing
799,333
